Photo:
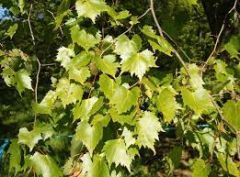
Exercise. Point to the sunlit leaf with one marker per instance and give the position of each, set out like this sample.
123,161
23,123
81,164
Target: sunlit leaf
147,122
45,165
89,135
116,152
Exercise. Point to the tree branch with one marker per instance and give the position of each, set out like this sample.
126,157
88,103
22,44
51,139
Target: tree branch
38,61
160,30
234,8
155,18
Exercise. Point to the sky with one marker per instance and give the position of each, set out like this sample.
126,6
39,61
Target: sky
3,13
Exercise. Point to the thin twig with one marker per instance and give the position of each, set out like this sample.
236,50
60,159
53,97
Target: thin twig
219,35
60,27
155,18
175,43
141,16
125,32
48,64
37,80
220,113
160,30
29,24
38,61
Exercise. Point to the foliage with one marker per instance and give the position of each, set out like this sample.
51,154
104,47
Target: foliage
94,89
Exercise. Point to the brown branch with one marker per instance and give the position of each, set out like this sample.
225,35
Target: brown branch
234,8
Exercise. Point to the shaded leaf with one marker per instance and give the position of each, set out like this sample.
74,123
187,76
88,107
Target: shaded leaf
231,112
200,168
15,156
12,30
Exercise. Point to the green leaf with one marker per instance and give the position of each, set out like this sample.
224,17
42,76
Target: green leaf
89,135
15,157
31,138
148,31
200,169
199,101
127,118
62,11
223,75
123,99
233,46
101,120
68,92
23,81
99,167
107,85
162,45
21,4
118,15
84,39
79,74
231,112
116,152
107,64
81,60
47,104
196,80
45,165
76,146
128,137
166,103
9,76
125,47
12,30
228,164
175,156
91,8
148,128
97,106
189,3
82,110
64,56
139,63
